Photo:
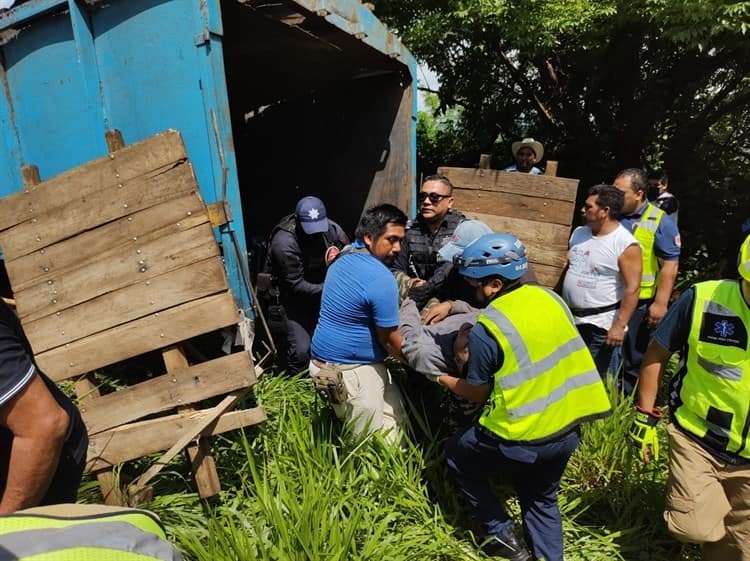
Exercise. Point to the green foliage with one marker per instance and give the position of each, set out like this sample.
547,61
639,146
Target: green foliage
298,489
605,84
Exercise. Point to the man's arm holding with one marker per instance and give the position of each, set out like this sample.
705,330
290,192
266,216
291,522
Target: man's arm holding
652,367
39,426
462,388
391,340
287,259
631,268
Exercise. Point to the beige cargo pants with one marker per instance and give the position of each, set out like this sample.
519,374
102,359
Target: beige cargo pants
708,501
374,402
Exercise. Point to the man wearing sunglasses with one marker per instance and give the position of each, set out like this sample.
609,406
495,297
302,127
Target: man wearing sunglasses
416,268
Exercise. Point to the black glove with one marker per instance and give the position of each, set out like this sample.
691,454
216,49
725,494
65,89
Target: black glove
422,293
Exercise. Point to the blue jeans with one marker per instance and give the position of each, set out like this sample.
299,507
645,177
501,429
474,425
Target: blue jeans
595,338
475,457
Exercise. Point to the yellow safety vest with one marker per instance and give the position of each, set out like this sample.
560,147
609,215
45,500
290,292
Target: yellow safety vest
548,383
75,532
645,233
714,394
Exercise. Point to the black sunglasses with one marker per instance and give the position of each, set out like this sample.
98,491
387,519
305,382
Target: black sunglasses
434,197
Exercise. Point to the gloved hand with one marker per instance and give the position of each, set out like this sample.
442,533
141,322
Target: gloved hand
422,293
643,434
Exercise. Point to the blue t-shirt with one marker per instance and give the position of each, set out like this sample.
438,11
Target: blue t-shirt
485,356
667,241
359,294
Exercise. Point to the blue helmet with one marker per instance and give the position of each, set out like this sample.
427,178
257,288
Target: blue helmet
494,254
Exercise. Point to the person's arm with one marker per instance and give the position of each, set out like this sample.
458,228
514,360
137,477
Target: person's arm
631,267
462,388
391,340
287,259
652,367
39,426
666,280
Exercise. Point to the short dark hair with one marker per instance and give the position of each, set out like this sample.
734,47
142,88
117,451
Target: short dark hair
375,220
442,179
610,197
660,175
638,180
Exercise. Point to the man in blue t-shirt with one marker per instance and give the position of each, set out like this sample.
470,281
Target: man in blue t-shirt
638,213
358,324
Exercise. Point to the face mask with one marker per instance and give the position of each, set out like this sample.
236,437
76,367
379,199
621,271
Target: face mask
653,192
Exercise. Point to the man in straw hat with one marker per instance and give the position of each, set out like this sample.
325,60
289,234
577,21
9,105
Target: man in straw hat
527,152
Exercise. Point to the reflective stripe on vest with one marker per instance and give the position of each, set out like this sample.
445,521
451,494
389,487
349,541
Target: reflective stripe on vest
117,536
645,233
548,383
714,398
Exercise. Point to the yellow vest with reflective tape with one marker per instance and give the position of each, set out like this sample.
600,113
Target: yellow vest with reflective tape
87,532
548,383
714,395
645,233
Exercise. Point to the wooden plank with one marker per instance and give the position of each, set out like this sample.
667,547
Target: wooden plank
156,221
84,212
528,231
551,168
546,274
202,462
127,304
511,204
174,389
558,188
136,440
142,335
153,153
190,434
127,266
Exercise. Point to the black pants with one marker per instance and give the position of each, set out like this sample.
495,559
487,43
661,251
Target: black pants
634,346
300,327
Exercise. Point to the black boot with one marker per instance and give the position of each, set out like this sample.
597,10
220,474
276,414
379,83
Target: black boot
507,547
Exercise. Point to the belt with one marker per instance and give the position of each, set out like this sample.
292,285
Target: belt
584,312
334,365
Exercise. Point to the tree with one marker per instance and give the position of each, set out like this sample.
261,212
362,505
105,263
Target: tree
606,84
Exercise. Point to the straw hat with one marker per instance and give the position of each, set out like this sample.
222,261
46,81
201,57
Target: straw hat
531,143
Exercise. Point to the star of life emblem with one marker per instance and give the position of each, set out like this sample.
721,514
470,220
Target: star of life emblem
313,213
724,328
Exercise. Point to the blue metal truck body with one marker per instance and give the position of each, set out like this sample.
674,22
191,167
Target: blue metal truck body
274,101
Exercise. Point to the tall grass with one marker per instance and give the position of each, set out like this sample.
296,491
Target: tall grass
296,488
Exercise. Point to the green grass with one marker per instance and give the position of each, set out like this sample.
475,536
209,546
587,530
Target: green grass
296,489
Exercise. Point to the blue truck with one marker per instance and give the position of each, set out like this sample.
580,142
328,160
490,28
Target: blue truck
275,99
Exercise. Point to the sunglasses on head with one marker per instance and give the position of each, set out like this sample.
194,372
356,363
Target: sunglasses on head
434,197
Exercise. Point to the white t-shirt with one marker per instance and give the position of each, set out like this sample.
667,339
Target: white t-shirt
593,279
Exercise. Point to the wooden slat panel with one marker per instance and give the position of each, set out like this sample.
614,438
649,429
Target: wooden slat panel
132,302
545,186
124,267
546,274
178,214
510,204
173,389
84,212
155,152
140,336
139,439
528,231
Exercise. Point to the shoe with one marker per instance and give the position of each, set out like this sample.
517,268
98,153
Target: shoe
507,547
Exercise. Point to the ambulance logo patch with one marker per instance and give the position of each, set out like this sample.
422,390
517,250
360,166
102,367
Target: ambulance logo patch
724,328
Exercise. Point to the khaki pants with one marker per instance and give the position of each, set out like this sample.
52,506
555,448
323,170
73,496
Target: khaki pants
708,501
374,401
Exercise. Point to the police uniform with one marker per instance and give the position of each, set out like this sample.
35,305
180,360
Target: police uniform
659,239
708,493
418,257
544,385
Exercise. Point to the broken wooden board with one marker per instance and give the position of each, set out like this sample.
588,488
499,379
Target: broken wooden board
538,209
135,440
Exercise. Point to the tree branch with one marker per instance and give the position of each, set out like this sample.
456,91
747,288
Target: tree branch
522,81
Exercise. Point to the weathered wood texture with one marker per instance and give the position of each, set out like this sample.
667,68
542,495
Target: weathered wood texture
114,259
538,209
136,440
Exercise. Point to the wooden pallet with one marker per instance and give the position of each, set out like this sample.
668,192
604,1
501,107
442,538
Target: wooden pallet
538,209
109,261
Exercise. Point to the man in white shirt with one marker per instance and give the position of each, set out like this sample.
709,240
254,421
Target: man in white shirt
603,274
